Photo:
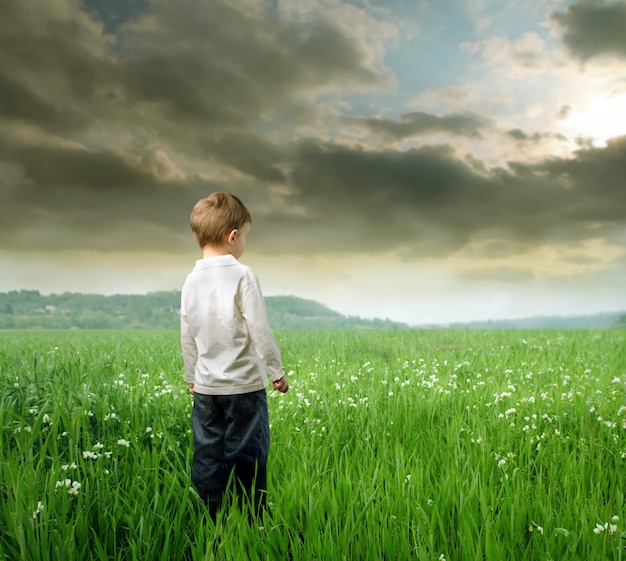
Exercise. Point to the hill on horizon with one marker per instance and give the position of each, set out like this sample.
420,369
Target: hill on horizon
29,309
601,320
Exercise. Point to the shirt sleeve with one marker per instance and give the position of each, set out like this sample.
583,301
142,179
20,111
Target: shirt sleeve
189,349
255,315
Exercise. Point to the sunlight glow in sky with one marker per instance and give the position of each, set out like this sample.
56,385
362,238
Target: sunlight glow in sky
599,118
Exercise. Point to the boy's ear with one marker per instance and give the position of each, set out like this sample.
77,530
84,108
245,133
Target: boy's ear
232,236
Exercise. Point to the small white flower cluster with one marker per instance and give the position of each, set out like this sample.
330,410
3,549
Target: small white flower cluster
71,486
95,453
606,527
351,402
502,460
123,442
161,391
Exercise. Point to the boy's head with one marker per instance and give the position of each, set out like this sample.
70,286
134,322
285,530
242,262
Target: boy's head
216,216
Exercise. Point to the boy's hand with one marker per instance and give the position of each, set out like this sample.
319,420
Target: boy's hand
282,385
191,389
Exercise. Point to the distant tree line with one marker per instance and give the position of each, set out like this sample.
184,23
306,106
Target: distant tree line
604,320
29,309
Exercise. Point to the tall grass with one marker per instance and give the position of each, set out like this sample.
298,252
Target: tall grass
424,445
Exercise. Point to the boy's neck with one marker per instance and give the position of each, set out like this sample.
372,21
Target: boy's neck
214,251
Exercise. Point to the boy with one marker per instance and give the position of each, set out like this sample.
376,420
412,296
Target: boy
228,349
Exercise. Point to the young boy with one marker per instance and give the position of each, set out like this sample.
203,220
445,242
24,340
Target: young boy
228,349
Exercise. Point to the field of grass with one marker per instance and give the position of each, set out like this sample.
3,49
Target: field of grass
426,445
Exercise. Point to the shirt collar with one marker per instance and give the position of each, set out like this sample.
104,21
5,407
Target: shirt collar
219,261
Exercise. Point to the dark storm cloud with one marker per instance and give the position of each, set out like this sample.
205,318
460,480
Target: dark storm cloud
232,68
418,123
51,66
592,29
86,105
193,76
426,201
187,72
19,103
431,201
534,138
68,171
72,198
108,140
248,153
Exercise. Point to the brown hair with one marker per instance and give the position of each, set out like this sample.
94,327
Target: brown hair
215,216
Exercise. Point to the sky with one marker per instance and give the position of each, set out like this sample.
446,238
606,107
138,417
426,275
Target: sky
422,161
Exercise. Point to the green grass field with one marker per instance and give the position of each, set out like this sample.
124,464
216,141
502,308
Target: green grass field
427,445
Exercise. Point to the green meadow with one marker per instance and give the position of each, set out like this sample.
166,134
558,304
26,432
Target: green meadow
426,445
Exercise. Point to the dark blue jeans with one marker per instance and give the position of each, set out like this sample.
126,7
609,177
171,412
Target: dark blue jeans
231,433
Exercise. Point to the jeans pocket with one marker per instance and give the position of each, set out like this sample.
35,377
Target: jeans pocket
241,406
203,406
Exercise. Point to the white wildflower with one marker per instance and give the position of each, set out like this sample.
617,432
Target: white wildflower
605,528
71,486
39,509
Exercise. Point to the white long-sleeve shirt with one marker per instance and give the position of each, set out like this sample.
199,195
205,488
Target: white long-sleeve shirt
227,344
